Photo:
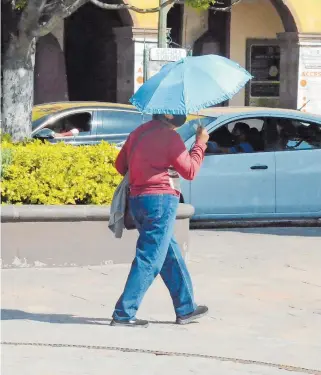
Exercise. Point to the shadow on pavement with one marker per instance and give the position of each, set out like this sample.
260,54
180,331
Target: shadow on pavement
8,314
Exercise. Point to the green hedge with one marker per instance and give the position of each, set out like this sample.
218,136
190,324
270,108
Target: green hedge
6,160
44,173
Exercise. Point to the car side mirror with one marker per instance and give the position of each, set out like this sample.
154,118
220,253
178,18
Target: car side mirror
44,133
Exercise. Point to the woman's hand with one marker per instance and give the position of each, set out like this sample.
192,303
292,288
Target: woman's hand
202,135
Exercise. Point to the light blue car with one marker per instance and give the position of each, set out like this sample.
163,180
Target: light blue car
279,179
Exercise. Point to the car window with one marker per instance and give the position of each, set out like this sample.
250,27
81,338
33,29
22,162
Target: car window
38,122
121,122
264,135
80,121
256,123
243,136
284,134
188,130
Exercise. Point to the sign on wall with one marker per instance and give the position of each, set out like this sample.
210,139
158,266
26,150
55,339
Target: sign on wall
158,57
263,62
309,88
149,59
167,54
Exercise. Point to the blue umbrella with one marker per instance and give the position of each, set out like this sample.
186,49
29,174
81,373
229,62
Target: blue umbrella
191,84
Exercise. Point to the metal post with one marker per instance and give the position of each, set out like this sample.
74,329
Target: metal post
162,25
146,60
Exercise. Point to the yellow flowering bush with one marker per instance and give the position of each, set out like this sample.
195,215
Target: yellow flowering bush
44,173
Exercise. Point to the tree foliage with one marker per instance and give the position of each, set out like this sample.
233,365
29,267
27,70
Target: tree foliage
200,4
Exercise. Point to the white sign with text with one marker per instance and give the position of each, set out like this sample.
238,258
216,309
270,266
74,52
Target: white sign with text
309,91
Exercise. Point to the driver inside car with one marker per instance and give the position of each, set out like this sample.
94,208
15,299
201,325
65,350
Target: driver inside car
68,130
241,132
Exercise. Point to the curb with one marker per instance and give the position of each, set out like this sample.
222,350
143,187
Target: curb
72,236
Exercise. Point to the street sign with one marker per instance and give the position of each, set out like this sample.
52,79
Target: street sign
167,54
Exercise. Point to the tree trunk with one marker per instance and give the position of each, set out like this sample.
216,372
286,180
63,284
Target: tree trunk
17,86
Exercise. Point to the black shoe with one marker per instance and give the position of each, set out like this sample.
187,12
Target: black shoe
129,323
199,312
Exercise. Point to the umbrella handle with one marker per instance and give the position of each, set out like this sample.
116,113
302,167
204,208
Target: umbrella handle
199,123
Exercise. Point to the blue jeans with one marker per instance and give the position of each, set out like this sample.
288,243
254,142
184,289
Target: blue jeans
157,252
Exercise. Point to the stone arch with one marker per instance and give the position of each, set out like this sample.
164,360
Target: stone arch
50,84
284,8
175,24
94,41
126,17
287,14
215,40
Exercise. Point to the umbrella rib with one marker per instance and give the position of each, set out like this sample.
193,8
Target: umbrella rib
163,82
226,94
136,103
148,101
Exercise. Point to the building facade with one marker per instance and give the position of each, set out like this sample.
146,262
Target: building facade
101,53
278,41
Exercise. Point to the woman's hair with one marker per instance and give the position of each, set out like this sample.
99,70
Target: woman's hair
158,117
177,120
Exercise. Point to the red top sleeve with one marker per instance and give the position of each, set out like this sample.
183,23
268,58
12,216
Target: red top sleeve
121,163
185,163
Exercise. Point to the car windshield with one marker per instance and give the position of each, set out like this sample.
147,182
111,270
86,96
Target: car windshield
187,130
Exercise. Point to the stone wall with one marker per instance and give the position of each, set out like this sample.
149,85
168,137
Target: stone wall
60,236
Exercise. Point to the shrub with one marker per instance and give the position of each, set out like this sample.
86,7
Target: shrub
6,159
6,138
44,173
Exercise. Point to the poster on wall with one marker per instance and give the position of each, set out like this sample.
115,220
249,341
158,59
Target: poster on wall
309,88
263,63
140,47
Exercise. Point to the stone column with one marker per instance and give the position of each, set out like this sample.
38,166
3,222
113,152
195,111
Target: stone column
300,71
131,43
289,68
125,57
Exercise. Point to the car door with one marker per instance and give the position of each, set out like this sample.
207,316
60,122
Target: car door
298,172
115,125
240,185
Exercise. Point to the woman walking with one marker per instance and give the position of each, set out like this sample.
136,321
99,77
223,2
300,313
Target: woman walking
150,154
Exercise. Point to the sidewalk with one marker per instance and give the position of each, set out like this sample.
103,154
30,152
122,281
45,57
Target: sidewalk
263,291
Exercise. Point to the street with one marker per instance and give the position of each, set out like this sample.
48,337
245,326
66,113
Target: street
262,286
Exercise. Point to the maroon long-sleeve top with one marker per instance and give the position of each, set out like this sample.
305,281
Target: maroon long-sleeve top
150,151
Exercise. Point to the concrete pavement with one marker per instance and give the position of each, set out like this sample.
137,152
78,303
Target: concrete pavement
263,288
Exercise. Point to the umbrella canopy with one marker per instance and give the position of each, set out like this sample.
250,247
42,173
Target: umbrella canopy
191,84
